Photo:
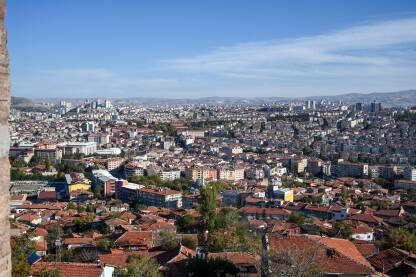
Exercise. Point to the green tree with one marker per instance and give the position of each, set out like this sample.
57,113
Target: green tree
263,214
189,242
412,194
211,268
226,217
47,272
168,240
55,233
48,163
296,218
400,238
208,206
142,266
344,228
185,221
307,151
344,193
98,191
105,244
21,248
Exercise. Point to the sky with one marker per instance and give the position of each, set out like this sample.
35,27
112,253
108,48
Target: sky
195,48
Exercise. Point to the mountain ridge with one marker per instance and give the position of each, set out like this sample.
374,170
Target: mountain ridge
405,98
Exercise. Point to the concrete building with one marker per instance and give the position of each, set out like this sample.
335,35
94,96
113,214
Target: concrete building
131,169
199,173
410,174
104,178
86,148
88,126
164,174
346,169
55,155
231,174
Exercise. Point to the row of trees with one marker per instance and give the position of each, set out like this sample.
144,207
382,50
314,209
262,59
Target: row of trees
180,184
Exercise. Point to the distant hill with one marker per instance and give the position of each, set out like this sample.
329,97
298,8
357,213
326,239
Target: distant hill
404,98
25,104
392,99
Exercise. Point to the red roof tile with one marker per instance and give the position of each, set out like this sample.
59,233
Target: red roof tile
70,269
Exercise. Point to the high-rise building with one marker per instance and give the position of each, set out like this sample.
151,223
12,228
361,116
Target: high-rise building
375,107
88,126
107,103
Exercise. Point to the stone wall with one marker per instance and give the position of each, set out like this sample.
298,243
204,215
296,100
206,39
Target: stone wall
5,261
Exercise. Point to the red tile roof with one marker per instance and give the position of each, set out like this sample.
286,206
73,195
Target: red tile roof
387,259
235,257
70,269
71,241
135,238
367,218
333,255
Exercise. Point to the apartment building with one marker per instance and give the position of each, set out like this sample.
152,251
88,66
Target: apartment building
347,169
160,197
199,173
131,169
410,174
164,174
387,172
105,179
55,155
231,174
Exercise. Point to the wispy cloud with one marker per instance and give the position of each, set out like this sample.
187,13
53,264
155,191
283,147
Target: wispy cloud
379,56
357,50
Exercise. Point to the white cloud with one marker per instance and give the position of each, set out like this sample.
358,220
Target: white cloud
374,45
375,57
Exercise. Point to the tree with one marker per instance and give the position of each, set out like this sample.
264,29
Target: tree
55,233
307,151
116,202
189,242
292,262
296,218
21,248
412,194
208,207
235,238
98,191
48,163
211,268
226,217
263,214
105,244
344,229
344,193
168,240
185,221
401,238
142,266
47,272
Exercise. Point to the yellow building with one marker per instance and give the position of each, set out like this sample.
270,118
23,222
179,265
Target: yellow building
85,185
77,181
285,194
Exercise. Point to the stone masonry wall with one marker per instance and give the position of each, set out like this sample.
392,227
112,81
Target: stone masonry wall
5,261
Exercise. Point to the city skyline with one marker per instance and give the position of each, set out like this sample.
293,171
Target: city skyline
175,51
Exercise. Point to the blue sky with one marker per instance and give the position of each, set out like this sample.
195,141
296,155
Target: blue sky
187,49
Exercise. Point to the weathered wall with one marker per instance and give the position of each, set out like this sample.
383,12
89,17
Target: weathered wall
5,262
